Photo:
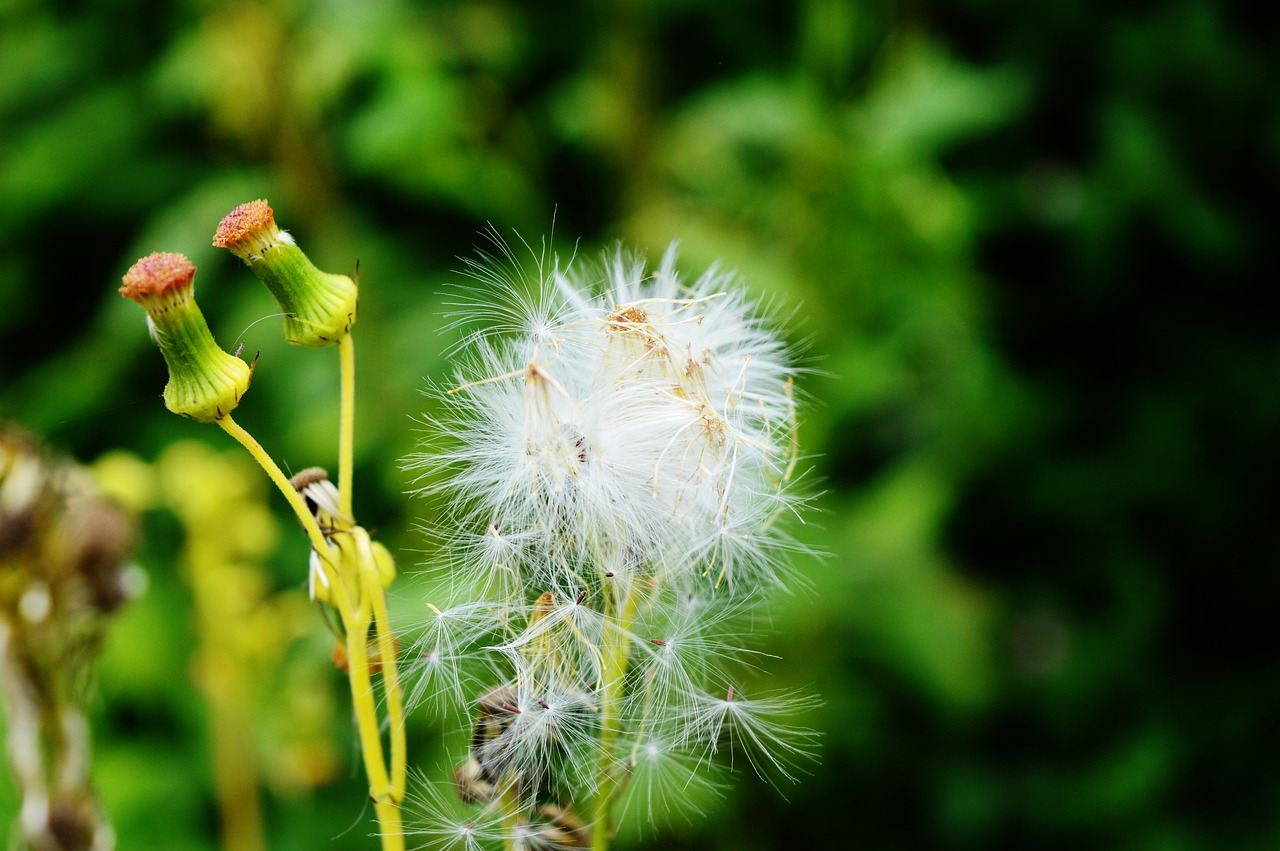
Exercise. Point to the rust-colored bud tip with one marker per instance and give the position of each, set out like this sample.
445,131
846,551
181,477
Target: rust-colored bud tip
157,274
248,219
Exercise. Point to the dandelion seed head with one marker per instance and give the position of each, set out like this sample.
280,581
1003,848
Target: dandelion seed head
619,410
616,458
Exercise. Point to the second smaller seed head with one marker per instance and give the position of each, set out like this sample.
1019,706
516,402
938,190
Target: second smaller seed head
319,308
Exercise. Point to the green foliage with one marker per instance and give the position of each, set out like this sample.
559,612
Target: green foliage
1016,244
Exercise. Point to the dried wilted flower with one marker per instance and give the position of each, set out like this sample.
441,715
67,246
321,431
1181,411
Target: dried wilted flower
322,499
62,573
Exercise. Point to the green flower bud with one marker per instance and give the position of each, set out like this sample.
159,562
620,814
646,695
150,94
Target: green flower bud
319,308
205,383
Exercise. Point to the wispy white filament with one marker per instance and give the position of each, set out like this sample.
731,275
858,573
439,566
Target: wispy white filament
611,434
622,414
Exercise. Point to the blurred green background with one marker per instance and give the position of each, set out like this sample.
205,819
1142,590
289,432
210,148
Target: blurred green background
1018,244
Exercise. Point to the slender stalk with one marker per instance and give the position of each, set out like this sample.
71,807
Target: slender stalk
356,620
613,675
346,422
273,471
510,803
390,679
362,697
235,772
387,789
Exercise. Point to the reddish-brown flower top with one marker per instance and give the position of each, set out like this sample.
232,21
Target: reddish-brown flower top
158,275
318,308
247,222
205,383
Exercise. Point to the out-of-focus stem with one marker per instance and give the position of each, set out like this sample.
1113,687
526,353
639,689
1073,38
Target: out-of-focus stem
510,818
235,773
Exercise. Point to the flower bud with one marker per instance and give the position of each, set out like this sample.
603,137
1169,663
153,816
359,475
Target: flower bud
205,383
319,308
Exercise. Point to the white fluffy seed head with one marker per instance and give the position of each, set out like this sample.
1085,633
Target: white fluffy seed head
616,456
633,417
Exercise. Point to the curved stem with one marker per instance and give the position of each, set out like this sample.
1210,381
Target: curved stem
356,620
277,477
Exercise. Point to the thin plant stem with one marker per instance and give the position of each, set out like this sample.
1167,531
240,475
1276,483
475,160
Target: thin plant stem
390,679
384,799
613,675
356,621
273,471
346,421
235,772
370,583
510,818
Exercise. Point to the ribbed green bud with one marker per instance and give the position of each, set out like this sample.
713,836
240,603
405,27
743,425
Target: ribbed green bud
319,308
205,383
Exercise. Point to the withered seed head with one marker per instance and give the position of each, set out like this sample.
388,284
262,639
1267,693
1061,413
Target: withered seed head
205,383
303,478
319,308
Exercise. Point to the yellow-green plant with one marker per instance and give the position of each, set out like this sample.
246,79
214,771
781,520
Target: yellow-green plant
348,571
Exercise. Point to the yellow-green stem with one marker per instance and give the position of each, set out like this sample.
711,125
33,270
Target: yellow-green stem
390,682
613,674
277,477
355,622
510,817
235,772
346,422
362,698
370,584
